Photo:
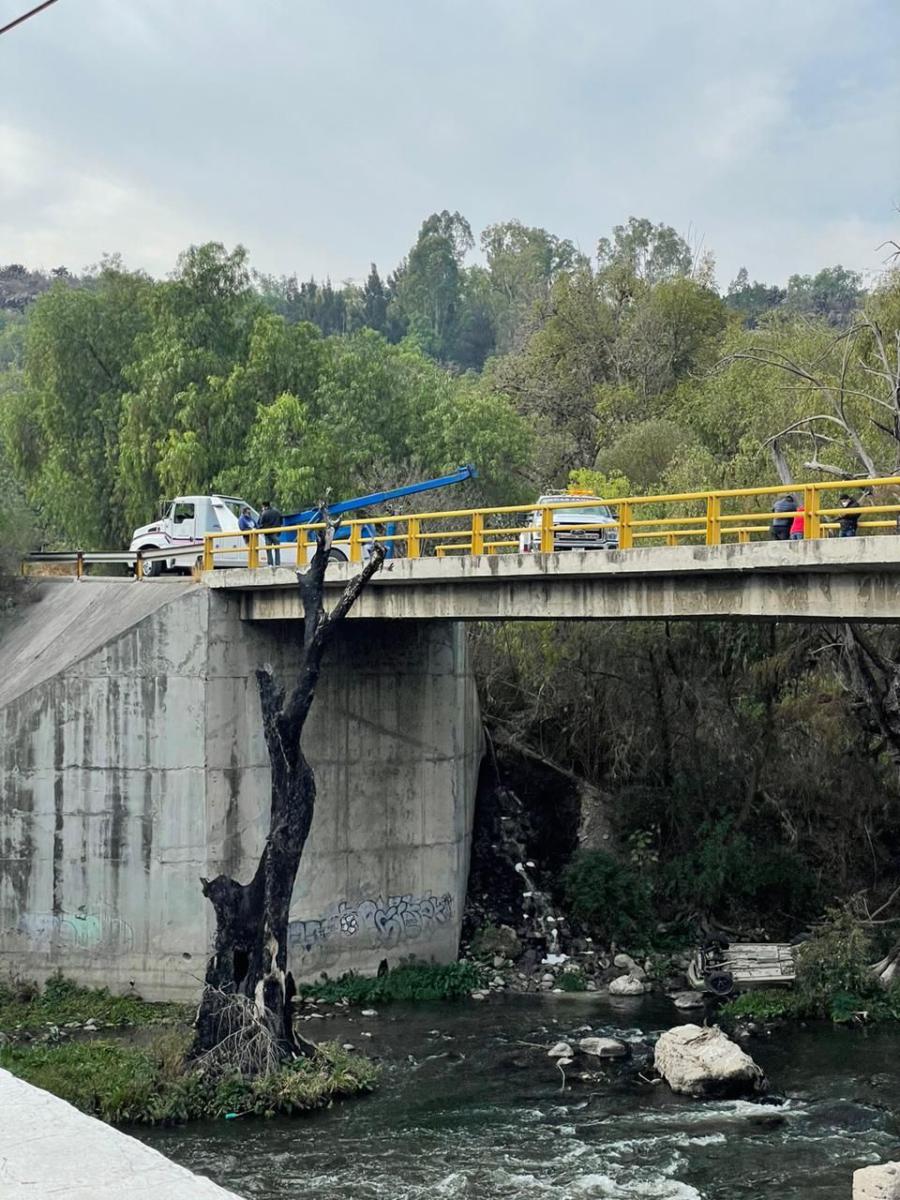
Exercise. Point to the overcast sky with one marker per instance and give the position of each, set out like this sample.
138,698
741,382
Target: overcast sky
320,133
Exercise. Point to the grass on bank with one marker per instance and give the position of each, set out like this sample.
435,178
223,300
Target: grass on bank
409,981
25,1008
152,1085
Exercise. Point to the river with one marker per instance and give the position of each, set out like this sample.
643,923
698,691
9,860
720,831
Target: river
469,1108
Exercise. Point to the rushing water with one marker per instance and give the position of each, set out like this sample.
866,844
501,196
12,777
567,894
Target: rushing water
469,1107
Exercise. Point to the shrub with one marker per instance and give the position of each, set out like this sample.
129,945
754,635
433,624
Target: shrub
766,1005
608,897
572,981
834,973
410,981
726,873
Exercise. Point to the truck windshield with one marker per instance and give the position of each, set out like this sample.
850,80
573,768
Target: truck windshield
599,512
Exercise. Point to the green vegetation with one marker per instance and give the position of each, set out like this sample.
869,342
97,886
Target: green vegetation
608,897
572,981
410,981
152,1085
25,1007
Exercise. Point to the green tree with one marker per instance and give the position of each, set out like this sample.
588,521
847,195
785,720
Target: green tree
429,289
60,421
834,294
752,300
202,322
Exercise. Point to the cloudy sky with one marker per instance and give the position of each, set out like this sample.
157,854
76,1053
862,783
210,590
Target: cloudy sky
319,133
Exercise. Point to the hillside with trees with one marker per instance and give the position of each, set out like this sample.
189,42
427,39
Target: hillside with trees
751,771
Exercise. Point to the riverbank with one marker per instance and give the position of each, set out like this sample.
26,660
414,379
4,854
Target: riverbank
125,1061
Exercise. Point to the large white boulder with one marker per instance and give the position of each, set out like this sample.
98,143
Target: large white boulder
704,1062
877,1183
627,985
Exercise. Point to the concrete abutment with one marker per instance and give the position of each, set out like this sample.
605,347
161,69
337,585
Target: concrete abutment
132,763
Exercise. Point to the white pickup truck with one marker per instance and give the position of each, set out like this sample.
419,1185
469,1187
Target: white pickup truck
181,526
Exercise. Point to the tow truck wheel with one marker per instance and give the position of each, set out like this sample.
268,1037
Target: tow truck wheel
154,568
720,983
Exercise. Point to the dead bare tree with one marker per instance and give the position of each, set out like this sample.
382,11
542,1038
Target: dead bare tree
860,396
250,948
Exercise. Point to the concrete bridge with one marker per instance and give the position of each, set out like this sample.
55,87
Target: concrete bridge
132,761
822,580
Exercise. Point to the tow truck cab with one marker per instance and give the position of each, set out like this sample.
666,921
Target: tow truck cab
181,526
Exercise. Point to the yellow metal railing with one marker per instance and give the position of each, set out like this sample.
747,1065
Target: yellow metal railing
693,518
706,518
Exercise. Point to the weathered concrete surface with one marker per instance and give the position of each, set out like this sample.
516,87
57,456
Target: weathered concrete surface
139,766
822,580
50,1149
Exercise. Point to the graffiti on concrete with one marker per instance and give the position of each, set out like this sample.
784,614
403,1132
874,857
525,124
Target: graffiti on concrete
99,931
377,923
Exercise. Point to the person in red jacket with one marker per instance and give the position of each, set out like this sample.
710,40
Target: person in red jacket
797,526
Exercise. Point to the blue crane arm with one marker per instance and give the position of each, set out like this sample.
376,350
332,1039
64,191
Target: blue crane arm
311,515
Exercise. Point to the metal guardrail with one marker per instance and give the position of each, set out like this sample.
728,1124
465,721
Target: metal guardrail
135,559
708,518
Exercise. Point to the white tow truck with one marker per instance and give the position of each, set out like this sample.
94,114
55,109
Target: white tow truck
181,526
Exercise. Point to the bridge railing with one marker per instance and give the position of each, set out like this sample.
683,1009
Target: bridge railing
708,518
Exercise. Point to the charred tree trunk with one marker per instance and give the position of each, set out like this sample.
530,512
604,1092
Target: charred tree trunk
250,949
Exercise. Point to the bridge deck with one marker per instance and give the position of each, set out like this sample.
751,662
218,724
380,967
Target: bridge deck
821,580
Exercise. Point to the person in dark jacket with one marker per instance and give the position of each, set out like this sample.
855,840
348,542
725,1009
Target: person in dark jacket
271,518
848,524
781,526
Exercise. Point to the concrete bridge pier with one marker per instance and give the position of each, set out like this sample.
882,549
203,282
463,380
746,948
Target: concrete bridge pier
132,763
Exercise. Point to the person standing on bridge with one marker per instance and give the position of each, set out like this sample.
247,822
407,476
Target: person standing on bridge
246,522
848,524
797,526
781,526
270,518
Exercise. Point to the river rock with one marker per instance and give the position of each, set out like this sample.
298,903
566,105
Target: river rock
877,1183
627,985
704,1062
560,1050
368,1012
626,963
688,999
601,1047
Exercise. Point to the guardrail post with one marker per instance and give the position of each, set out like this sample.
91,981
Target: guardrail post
209,561
546,531
713,520
302,546
356,542
139,565
625,533
253,548
79,564
413,545
477,546
812,521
